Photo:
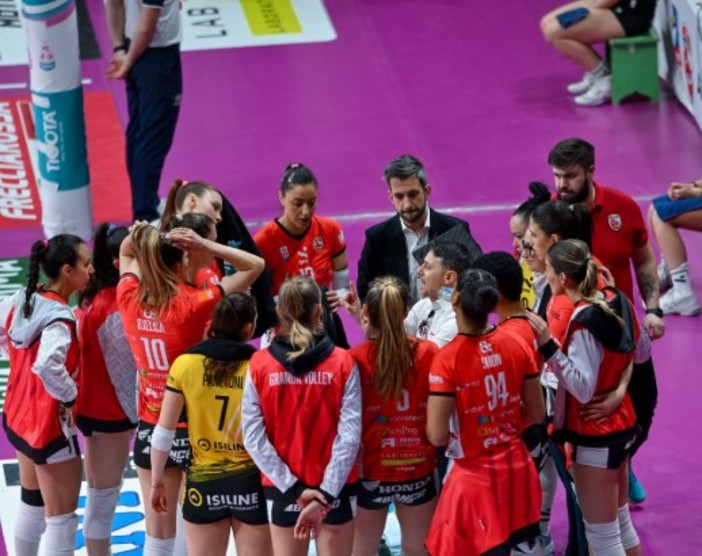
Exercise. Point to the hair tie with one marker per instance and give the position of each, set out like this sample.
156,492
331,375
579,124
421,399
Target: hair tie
183,183
111,229
46,245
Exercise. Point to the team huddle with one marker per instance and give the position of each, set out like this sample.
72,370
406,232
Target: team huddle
482,379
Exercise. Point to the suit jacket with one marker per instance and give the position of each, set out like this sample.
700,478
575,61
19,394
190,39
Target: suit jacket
385,250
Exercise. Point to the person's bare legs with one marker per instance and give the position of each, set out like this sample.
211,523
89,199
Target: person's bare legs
208,539
284,544
623,500
369,530
105,459
668,237
252,540
335,540
414,524
575,41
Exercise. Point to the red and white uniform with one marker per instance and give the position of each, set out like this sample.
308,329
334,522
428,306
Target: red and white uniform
394,443
492,495
156,340
584,369
43,352
303,427
308,255
107,383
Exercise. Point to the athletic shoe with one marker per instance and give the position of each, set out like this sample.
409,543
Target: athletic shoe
637,494
675,303
547,545
581,86
665,280
599,92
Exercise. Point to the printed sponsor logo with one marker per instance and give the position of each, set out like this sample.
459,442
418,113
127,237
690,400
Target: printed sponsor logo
47,62
194,497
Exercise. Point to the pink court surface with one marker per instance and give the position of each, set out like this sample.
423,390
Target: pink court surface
474,92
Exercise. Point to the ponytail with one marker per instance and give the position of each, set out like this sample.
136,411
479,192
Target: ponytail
106,243
387,302
297,301
177,194
35,259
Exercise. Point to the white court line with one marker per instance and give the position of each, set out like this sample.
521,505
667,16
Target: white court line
459,209
7,86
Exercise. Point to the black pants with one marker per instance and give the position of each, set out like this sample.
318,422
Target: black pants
154,88
643,391
577,542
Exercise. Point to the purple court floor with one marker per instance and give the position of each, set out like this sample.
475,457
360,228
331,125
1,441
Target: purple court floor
474,92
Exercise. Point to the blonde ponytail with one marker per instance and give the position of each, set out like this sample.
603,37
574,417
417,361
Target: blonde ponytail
297,301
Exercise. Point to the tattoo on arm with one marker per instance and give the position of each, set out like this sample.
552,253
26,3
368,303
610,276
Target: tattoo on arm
648,286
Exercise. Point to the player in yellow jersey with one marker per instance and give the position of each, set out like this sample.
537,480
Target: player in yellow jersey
223,485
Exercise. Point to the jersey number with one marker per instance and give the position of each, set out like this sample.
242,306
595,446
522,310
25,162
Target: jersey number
496,389
223,413
155,350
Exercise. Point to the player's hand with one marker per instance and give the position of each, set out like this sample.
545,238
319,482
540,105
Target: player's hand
678,191
310,520
159,500
655,327
543,334
334,300
602,405
606,275
352,303
185,239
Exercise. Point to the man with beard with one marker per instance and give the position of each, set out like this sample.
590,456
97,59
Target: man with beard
619,239
389,245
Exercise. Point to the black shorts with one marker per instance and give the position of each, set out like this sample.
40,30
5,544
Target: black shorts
535,439
237,496
89,426
635,20
604,457
59,450
283,514
178,457
375,495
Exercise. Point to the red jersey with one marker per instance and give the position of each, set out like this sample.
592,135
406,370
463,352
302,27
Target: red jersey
394,446
558,312
156,340
485,375
301,413
608,377
308,255
30,413
107,381
618,228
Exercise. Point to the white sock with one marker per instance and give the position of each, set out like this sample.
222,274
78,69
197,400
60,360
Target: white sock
158,547
61,534
681,279
29,527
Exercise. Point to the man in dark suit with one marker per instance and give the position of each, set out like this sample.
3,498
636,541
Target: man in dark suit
389,245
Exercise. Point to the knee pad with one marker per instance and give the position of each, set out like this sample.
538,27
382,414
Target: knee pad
629,537
158,547
99,512
604,538
30,524
61,534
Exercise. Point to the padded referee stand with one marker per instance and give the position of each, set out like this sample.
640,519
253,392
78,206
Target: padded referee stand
633,62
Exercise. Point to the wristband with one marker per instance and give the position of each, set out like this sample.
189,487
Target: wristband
548,349
655,311
119,47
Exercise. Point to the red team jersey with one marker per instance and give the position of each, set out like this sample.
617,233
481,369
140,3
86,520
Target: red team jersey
492,495
394,443
308,255
157,340
97,397
301,413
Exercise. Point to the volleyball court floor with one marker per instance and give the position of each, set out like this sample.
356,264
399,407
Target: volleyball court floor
471,90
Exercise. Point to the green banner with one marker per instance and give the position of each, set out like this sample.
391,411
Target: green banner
13,273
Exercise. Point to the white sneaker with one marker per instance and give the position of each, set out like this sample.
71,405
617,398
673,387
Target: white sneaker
599,92
665,280
673,302
581,86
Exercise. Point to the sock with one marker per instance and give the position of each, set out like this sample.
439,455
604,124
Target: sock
681,280
158,547
29,527
601,70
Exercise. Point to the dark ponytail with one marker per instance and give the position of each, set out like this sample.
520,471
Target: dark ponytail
478,295
106,243
49,257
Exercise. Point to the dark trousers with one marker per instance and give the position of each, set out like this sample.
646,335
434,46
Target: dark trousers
154,89
643,391
577,543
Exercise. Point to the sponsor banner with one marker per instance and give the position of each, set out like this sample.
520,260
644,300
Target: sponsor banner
207,25
63,159
19,196
218,24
